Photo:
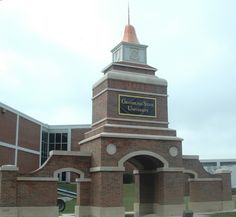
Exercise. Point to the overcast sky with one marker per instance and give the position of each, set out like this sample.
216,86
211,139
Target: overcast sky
52,51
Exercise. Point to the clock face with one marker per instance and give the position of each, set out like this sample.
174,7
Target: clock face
134,54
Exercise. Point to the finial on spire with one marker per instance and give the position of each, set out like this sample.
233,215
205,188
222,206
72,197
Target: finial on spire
130,34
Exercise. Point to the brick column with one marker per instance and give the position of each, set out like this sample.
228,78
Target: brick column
144,193
83,197
105,197
8,186
169,192
227,202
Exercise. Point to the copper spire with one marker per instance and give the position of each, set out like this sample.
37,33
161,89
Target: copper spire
129,33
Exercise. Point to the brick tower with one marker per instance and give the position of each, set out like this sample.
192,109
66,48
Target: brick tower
130,124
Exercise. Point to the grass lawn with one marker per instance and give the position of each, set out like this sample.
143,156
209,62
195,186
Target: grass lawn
128,196
67,186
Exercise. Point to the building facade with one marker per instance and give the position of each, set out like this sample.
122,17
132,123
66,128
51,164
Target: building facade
130,126
26,142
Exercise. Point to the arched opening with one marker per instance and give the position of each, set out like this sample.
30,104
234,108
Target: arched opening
140,180
67,188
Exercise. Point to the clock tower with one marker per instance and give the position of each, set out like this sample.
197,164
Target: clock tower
129,49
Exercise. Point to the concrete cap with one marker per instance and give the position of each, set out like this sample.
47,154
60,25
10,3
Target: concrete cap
220,171
9,168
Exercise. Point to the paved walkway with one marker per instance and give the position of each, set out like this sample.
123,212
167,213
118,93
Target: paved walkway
195,215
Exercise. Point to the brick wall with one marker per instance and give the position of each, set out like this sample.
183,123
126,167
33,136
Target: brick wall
76,136
7,156
29,134
203,191
36,193
8,127
27,162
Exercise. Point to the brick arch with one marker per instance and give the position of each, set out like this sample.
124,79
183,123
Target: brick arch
68,169
77,162
143,152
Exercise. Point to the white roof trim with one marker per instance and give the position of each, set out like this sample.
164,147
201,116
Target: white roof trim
138,127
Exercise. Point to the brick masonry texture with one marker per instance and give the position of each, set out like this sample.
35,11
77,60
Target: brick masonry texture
23,161
29,134
107,189
125,146
170,188
7,156
8,186
36,193
205,191
76,136
195,165
83,196
58,162
8,127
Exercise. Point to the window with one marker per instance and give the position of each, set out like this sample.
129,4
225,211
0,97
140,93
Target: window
209,164
58,141
53,141
229,163
44,147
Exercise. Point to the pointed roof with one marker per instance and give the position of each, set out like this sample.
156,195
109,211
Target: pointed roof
130,35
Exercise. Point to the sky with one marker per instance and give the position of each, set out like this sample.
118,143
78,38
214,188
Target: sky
53,51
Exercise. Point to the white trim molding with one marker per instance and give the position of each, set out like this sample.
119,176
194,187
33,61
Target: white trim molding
107,169
142,152
68,169
129,120
170,169
83,180
37,179
191,172
9,168
131,76
70,153
131,136
128,91
190,157
205,180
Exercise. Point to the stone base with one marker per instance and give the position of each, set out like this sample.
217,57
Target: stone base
228,205
157,210
51,211
169,210
142,209
211,206
8,211
82,211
